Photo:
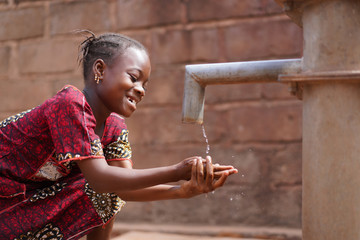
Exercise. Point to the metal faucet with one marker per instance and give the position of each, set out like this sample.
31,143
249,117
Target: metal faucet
198,76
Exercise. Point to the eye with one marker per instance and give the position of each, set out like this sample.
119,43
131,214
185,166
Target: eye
133,78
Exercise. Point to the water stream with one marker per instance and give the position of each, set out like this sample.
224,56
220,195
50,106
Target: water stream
237,196
206,140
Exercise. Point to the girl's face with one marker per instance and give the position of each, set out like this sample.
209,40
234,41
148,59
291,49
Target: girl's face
123,83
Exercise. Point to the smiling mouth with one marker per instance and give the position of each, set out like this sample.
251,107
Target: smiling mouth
132,101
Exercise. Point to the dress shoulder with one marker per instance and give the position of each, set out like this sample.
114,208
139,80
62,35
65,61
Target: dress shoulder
115,139
72,125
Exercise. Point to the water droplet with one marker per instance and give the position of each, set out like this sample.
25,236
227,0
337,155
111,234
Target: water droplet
242,175
231,199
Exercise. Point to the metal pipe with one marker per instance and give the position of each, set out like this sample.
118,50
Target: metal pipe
197,77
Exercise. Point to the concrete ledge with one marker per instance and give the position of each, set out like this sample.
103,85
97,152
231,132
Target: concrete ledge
167,236
131,231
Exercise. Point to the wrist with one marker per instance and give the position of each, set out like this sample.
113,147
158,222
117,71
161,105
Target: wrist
176,173
178,192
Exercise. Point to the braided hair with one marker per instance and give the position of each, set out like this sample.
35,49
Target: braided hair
106,47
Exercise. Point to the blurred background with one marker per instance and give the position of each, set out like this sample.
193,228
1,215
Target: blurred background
255,127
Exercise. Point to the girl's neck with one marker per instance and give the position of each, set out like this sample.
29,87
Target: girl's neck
99,110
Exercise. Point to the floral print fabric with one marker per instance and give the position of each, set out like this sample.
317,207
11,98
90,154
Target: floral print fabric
43,194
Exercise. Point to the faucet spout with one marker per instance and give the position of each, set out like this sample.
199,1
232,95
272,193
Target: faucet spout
198,76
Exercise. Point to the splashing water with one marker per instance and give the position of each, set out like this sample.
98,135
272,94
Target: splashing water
206,139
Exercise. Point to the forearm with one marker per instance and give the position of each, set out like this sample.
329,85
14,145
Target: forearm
155,193
105,178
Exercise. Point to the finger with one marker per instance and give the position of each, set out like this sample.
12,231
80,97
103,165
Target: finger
194,171
209,173
192,159
218,174
218,167
219,182
200,171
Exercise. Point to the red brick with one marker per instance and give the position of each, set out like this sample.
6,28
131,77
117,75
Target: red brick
215,94
247,192
239,204
5,60
21,95
204,45
266,123
272,38
235,208
166,86
271,7
76,81
143,38
48,56
145,13
283,207
15,23
247,159
276,91
148,155
217,125
201,10
161,126
201,209
66,17
170,47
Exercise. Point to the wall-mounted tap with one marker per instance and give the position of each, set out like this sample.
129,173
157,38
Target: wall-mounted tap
197,77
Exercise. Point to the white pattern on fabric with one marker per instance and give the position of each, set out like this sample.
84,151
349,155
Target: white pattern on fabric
105,204
14,118
120,148
47,192
49,232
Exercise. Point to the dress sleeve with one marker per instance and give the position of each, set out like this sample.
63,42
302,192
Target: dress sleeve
72,127
115,139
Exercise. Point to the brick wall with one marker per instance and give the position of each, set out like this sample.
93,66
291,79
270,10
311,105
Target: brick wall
255,127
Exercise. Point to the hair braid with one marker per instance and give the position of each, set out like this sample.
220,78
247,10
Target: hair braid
106,47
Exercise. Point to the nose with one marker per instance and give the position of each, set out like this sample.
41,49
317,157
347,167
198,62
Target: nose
139,89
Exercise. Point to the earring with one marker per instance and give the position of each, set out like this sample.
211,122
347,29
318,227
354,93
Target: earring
97,80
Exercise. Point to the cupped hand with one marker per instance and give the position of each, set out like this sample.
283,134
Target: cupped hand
220,169
205,177
184,168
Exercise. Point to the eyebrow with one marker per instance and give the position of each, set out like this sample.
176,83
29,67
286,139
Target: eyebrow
136,69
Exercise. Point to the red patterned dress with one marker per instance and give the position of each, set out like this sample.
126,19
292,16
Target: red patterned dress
43,194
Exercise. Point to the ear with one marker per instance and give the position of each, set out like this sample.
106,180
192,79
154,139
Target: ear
99,67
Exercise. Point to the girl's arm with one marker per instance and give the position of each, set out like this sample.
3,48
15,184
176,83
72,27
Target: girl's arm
158,192
105,178
215,176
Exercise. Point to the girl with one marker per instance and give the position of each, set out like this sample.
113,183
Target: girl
65,167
